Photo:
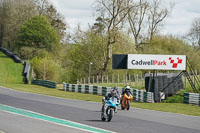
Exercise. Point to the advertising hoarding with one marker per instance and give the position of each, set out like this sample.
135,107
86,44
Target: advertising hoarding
156,62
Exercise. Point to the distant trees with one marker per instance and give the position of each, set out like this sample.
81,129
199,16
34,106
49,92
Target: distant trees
194,33
12,14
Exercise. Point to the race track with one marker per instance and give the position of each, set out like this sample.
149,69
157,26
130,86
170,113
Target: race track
133,121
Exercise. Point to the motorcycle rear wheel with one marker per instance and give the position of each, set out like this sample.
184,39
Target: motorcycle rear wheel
128,105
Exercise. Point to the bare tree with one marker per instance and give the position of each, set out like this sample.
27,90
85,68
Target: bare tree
194,33
42,5
113,12
136,19
158,11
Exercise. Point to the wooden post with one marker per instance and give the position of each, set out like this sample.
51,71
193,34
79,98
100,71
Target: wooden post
107,79
97,79
118,78
84,80
102,79
112,78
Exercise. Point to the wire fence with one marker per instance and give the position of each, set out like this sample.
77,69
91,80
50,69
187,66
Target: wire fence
130,79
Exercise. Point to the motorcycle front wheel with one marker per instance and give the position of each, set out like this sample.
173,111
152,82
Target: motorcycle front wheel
102,117
110,113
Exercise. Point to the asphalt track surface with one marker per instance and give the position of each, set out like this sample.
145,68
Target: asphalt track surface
133,121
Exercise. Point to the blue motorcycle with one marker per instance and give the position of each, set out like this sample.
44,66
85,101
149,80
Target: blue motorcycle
108,109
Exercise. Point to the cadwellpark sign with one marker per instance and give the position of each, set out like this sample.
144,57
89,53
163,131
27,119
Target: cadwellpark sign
156,62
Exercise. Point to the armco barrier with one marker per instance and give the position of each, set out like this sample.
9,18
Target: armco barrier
138,95
11,55
191,98
46,83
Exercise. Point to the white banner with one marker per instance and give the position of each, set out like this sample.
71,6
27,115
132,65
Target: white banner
157,62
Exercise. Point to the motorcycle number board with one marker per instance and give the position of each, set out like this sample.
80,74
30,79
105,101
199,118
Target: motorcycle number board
156,62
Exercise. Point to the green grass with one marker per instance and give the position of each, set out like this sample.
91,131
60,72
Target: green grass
54,92
10,72
179,108
10,77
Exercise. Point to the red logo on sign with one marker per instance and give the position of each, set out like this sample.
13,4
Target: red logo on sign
174,65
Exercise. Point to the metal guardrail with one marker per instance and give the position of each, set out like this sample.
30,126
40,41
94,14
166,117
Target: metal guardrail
138,95
45,83
26,71
11,55
191,98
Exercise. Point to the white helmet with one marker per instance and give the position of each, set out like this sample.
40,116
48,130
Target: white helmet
128,87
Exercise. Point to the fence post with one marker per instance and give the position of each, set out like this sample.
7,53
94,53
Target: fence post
107,79
112,78
97,79
118,78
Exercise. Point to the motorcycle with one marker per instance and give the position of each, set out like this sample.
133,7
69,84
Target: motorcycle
108,109
126,100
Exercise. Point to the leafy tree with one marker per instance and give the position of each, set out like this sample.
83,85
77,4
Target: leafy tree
37,33
46,68
45,8
92,48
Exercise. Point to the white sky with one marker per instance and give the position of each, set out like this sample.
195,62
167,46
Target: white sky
178,23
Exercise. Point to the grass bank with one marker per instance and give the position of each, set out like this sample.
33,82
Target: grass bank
10,72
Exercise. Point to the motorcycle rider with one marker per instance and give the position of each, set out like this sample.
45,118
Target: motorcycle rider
113,93
127,89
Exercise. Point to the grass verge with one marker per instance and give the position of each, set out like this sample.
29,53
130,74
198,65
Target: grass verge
53,92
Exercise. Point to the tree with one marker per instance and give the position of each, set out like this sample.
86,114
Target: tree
113,12
45,8
158,11
146,18
136,18
194,33
12,14
37,33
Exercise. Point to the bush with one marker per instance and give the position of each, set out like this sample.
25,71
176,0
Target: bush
174,99
46,69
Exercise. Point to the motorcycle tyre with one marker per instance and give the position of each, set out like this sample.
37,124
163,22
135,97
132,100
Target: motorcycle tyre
110,114
128,105
102,117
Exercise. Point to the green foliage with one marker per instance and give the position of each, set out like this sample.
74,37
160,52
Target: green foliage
174,99
92,48
37,33
174,46
46,69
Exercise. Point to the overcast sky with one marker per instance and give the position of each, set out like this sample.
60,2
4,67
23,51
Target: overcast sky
178,23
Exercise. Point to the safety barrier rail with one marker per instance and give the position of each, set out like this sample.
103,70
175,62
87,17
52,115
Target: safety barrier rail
45,83
191,98
11,55
26,71
138,95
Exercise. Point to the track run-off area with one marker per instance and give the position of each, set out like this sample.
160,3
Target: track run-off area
22,112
